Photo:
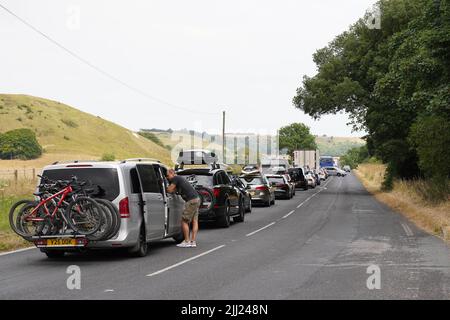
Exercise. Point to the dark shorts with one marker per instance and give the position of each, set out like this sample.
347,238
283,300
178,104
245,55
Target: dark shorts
191,210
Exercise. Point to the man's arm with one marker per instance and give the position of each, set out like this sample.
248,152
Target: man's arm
172,188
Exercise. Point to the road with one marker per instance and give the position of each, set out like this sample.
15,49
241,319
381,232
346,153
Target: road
315,246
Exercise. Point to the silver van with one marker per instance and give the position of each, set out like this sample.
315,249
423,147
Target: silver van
137,187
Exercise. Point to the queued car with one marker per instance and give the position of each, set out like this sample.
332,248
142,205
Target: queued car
291,182
137,190
334,171
310,179
245,194
347,168
250,168
220,199
316,175
323,175
259,188
283,188
298,178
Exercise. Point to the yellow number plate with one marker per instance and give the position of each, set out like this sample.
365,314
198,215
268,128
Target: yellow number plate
61,242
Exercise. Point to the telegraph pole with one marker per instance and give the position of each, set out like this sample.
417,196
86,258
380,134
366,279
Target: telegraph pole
223,138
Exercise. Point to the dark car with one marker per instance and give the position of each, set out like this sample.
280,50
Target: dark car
245,194
283,189
220,199
298,177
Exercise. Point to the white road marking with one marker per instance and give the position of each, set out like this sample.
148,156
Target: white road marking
407,229
269,225
109,290
185,261
16,251
284,217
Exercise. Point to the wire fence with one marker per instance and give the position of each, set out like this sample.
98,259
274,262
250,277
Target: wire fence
19,174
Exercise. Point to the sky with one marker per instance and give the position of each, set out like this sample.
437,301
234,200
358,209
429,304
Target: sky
197,58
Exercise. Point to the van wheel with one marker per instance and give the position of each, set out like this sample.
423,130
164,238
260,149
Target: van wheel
224,221
141,248
179,238
241,216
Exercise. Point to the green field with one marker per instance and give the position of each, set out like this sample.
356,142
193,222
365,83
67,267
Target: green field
63,130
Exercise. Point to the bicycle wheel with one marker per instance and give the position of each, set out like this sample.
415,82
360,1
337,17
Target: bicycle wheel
14,211
115,218
105,224
27,225
84,216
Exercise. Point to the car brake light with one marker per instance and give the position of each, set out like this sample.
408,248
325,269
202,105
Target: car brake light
262,188
216,192
124,208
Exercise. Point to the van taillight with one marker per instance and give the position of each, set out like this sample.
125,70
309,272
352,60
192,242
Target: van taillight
124,208
216,192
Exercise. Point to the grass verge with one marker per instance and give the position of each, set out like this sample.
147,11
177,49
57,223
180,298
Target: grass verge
8,239
407,198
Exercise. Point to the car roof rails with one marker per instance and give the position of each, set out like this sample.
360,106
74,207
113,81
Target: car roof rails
141,160
212,166
72,161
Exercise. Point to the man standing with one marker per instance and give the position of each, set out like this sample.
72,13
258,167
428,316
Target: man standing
190,213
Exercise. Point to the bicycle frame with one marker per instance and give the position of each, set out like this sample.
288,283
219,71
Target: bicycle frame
63,193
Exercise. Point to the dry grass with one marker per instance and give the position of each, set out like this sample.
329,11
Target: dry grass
406,198
10,194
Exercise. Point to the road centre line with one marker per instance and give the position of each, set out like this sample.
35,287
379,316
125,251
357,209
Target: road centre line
252,233
284,217
185,261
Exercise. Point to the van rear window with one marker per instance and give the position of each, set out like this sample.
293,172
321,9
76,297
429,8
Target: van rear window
104,181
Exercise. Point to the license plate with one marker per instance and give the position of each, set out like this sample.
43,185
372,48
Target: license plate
252,193
65,242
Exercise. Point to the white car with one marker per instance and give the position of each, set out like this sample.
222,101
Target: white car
334,171
310,179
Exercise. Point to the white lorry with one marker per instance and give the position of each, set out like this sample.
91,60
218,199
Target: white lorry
307,158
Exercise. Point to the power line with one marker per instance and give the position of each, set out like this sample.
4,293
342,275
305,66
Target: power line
99,70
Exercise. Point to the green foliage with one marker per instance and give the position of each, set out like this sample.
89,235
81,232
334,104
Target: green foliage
431,137
152,137
19,144
108,157
296,136
388,80
355,156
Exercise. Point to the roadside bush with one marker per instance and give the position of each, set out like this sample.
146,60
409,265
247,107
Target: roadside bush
69,123
152,137
108,157
19,144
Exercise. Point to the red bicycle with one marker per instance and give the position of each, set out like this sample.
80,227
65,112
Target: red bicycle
63,208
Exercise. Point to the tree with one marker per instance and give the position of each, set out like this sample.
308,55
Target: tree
387,79
19,144
355,156
296,136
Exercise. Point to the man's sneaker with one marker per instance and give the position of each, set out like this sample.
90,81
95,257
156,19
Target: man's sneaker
193,244
184,244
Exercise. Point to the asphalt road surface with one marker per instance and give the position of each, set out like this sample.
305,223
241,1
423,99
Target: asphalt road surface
319,245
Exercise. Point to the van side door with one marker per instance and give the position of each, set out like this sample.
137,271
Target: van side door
153,202
174,206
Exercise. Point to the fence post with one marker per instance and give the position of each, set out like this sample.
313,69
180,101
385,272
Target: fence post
16,176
